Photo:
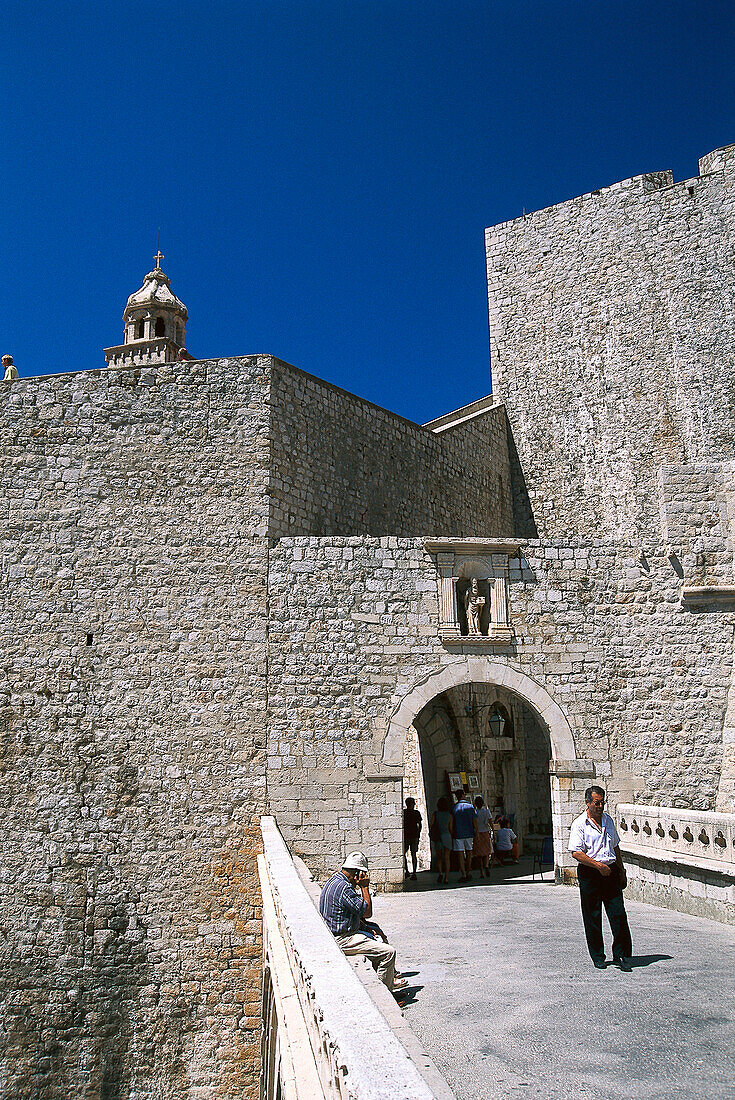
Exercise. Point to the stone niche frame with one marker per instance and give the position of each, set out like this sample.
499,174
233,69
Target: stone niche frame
458,560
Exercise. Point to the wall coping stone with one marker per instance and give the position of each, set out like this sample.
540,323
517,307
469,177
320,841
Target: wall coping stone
460,416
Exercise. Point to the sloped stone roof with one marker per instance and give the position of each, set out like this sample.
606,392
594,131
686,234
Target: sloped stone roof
156,291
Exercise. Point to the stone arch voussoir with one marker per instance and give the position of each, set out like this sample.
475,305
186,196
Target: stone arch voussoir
480,670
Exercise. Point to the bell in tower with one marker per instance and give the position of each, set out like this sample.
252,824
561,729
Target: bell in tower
155,324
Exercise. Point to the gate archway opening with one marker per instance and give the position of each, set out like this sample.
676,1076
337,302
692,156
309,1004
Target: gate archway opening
442,728
484,738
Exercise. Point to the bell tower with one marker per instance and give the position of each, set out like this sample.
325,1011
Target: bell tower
154,324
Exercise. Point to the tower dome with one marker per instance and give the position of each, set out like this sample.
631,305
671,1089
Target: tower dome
154,324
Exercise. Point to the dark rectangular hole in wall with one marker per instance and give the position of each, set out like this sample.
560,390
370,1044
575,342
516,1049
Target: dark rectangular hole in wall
90,639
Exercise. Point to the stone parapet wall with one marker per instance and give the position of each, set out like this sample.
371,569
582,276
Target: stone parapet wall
611,322
680,859
328,1033
343,466
694,838
671,885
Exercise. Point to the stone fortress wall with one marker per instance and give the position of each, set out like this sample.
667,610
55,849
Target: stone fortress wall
642,680
611,321
132,701
136,510
343,466
611,324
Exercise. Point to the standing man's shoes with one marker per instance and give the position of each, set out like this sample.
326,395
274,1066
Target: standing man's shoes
624,965
600,964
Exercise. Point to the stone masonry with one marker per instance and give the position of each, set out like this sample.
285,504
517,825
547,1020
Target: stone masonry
611,321
137,510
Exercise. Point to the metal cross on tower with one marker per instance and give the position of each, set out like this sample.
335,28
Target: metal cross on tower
158,257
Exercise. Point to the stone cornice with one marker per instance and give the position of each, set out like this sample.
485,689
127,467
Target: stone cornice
693,595
474,546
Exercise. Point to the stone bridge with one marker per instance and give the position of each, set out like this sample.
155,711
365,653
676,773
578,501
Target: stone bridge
503,1001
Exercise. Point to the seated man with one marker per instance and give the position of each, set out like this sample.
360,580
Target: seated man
345,901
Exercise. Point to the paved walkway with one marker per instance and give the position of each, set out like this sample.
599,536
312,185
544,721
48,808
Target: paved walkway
509,1005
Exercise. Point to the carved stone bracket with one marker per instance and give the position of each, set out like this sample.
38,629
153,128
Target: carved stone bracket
473,589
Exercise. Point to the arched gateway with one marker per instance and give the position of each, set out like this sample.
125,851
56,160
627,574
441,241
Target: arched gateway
568,775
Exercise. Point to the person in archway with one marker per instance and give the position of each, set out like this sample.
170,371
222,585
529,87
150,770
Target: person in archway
441,835
595,844
411,834
504,842
483,845
465,825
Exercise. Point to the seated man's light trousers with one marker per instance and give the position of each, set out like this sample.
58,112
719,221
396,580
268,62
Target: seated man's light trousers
381,955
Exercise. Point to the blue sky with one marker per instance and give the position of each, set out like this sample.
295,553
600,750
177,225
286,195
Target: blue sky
322,172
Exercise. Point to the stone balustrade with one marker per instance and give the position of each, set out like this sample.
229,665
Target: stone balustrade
684,859
329,1033
694,837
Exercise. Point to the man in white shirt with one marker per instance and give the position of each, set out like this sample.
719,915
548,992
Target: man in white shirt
595,844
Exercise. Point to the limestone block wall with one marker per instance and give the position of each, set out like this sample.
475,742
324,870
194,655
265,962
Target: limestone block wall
642,680
697,505
132,703
647,677
349,618
343,466
135,512
611,328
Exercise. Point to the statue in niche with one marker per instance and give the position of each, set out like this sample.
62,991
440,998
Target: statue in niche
473,605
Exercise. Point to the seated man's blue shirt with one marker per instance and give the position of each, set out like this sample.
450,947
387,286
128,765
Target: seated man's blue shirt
341,905
464,820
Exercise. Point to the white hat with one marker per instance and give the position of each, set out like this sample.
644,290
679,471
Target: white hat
355,861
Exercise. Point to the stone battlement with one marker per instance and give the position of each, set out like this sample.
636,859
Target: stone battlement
719,160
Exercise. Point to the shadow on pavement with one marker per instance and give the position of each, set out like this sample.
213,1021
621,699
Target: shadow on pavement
519,874
646,960
408,996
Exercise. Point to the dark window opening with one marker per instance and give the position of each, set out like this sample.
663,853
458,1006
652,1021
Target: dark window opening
160,326
139,330
90,639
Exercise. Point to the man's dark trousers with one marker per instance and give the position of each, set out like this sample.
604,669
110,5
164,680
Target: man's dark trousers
596,890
